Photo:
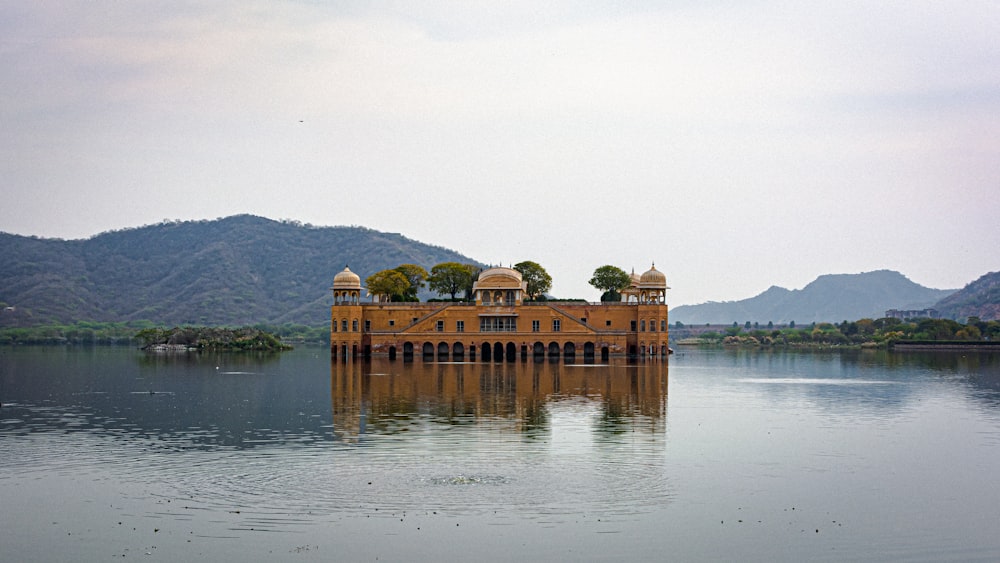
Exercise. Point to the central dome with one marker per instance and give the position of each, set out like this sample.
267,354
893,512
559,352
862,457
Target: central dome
499,277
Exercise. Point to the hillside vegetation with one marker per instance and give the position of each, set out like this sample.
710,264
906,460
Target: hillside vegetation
236,271
980,298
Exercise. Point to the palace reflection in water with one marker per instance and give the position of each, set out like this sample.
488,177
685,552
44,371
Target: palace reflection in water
381,396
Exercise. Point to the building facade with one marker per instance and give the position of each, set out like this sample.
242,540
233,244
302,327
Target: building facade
903,314
499,325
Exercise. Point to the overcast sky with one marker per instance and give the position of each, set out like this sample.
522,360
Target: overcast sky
738,145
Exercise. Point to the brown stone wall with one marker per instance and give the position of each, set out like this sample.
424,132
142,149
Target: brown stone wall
621,328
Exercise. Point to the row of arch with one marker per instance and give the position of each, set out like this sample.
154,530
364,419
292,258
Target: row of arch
509,351
498,351
352,297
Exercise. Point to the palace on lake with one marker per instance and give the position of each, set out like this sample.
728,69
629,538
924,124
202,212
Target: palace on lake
499,325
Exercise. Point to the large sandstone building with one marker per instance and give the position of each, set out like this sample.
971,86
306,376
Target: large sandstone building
500,325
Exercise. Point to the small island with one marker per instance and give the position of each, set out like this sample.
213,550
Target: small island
185,339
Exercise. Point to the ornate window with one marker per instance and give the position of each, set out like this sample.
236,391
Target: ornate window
497,324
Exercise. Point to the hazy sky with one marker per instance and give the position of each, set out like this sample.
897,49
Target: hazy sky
736,144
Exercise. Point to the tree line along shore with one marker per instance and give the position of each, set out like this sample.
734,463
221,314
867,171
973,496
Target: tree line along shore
861,333
146,335
209,338
865,333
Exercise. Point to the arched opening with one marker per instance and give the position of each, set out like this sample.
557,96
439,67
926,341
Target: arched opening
511,352
605,354
458,352
588,351
497,352
486,352
392,352
443,351
632,351
366,352
569,352
553,350
524,352
538,351
407,350
428,351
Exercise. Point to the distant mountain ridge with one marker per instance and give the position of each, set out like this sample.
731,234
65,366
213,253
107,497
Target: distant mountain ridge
980,298
231,271
829,298
247,270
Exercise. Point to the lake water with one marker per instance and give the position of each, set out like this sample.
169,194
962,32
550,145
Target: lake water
107,453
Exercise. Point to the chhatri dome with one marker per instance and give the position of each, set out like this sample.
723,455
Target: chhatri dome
346,288
653,286
346,280
631,293
635,278
653,279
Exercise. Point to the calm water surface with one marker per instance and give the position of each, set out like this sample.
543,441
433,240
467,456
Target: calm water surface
713,455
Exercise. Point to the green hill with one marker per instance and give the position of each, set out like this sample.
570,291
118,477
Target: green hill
233,271
980,298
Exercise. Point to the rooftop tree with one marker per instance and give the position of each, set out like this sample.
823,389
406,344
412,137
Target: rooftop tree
390,284
474,272
538,280
450,278
416,277
611,280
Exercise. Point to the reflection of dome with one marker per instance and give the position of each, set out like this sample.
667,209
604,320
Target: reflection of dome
653,279
499,277
346,280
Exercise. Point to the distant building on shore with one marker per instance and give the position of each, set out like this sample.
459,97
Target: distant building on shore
912,314
499,325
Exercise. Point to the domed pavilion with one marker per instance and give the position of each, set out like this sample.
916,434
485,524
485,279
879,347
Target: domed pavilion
497,324
346,288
